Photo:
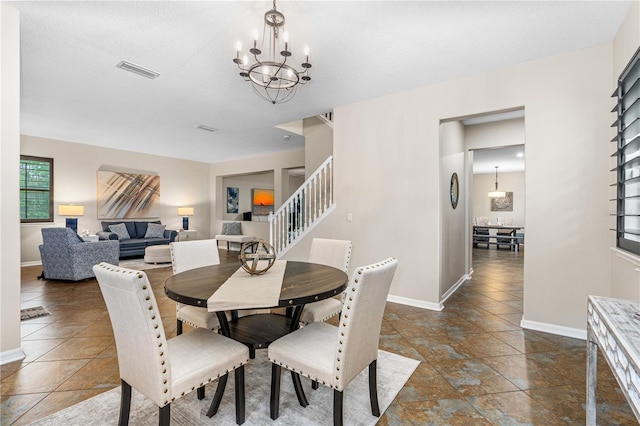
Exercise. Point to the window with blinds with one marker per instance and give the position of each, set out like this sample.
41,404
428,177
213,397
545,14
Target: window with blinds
628,156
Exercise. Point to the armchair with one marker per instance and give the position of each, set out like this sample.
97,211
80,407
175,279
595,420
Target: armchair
65,256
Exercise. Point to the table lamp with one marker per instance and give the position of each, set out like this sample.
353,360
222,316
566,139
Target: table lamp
185,212
72,212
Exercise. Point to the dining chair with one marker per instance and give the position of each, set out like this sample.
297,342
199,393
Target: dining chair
163,370
479,234
335,253
186,255
332,355
505,233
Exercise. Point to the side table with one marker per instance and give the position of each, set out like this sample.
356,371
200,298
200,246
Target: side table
187,235
611,325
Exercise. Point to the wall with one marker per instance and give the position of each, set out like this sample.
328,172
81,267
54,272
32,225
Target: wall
625,279
245,184
393,189
182,183
509,182
453,228
318,143
10,201
495,134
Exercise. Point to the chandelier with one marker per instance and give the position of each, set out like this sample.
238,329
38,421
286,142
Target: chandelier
272,78
496,193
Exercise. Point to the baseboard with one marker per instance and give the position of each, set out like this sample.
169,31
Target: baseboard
576,333
455,287
32,263
11,356
414,302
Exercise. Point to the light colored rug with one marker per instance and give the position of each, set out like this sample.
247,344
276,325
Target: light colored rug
36,312
141,265
393,372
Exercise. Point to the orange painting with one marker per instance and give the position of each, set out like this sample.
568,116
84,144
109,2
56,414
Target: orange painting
263,197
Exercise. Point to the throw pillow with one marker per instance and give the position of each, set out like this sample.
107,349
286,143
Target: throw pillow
234,228
225,229
155,230
120,230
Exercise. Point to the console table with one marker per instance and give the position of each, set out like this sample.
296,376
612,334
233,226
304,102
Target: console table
612,327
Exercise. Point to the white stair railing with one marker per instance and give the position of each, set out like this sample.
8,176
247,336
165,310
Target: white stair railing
303,210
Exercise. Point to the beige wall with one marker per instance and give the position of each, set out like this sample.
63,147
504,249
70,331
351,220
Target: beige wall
495,134
9,184
182,183
393,189
318,143
510,182
245,183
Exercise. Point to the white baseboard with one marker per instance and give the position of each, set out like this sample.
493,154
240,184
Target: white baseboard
32,263
576,333
415,302
454,288
11,356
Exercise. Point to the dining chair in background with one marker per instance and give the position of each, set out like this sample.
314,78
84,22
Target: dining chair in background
163,370
334,356
335,253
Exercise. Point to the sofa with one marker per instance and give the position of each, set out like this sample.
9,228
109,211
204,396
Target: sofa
135,236
65,256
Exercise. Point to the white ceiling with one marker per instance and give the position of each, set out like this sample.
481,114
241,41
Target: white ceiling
508,159
71,89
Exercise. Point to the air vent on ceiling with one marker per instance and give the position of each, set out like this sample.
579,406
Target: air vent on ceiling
207,128
137,69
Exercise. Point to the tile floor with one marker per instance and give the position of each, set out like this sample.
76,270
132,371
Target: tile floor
479,367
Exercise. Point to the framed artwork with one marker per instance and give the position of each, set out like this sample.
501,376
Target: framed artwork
502,204
232,199
262,201
128,195
454,190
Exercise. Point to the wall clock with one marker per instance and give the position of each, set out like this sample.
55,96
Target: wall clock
454,190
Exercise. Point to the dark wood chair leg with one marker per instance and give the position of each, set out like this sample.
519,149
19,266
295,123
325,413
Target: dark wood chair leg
200,392
373,388
337,407
125,403
217,397
252,352
297,385
164,415
314,384
239,373
178,327
274,401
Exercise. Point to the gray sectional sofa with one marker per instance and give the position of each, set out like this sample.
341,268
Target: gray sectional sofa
138,238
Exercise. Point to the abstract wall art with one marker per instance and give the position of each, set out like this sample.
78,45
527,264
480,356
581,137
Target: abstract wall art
124,195
232,199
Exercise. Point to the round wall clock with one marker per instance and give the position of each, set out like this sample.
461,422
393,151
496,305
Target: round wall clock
454,190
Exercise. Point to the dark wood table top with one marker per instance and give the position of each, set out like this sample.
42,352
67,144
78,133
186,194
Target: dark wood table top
302,283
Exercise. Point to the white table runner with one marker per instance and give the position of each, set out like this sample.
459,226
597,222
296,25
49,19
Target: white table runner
245,291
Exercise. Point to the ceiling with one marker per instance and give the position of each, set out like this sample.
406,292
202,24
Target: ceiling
508,159
72,90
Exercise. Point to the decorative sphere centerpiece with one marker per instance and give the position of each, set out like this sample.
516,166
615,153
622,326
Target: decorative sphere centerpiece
257,257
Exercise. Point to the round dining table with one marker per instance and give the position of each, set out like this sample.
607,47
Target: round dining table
302,283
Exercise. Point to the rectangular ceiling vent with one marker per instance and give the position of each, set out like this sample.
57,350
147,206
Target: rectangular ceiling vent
207,128
137,69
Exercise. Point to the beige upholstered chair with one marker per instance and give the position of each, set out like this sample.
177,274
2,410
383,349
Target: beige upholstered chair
336,253
163,370
186,255
334,356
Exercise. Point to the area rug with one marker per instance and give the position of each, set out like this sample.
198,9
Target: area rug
141,265
393,372
36,312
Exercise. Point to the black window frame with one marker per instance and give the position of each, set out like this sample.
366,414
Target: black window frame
50,189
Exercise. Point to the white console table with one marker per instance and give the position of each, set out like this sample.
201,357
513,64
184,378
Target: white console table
612,327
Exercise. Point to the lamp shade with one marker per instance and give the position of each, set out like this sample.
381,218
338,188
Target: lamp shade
70,210
497,194
185,211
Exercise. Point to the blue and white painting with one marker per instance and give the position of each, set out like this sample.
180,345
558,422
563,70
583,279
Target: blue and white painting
232,199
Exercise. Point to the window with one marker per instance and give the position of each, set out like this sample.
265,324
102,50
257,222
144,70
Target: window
628,156
36,189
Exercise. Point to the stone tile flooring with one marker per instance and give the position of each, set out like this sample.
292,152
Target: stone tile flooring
478,366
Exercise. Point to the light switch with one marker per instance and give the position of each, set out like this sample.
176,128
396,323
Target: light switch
349,217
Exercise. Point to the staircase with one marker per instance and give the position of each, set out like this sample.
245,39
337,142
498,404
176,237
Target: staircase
307,207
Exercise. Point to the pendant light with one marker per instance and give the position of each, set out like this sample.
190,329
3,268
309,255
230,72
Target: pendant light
496,193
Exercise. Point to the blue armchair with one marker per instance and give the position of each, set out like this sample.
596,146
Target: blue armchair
65,256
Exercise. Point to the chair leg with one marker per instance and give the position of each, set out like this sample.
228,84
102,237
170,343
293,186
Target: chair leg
274,401
373,388
297,385
314,384
337,407
239,373
125,403
178,327
164,415
200,392
217,397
